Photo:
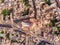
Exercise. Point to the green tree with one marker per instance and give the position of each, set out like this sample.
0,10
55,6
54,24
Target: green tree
2,32
26,3
12,34
8,36
26,12
6,12
58,29
48,2
53,22
56,32
2,1
13,41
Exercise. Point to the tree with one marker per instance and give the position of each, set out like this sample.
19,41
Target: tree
26,3
2,32
58,29
26,12
6,12
48,2
13,41
53,22
7,36
2,1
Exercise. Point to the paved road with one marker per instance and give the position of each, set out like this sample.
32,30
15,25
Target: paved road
34,8
6,25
